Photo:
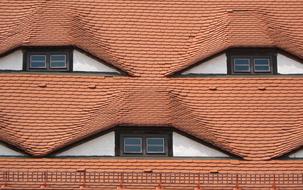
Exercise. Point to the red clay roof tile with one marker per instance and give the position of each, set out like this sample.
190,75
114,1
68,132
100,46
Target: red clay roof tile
256,125
175,173
255,118
152,38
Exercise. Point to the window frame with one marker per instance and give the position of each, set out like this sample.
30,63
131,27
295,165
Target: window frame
133,137
65,59
30,61
154,152
144,133
262,57
48,52
252,54
243,58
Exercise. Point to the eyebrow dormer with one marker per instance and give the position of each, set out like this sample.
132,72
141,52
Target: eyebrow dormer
48,59
251,61
142,142
55,59
247,61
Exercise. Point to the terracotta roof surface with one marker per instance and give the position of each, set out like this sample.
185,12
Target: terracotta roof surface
214,172
257,118
152,38
155,165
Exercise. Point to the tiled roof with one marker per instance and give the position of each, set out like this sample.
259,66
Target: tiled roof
155,165
257,118
144,174
152,38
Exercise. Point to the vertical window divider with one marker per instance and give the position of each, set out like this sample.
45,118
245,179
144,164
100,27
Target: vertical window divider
146,135
48,52
252,54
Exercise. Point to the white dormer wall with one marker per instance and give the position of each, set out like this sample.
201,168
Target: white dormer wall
298,154
216,65
287,65
105,146
82,62
6,151
186,147
100,146
12,61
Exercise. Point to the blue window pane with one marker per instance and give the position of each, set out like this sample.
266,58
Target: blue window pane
261,62
241,65
262,65
58,61
37,61
132,145
132,149
241,61
155,149
242,68
155,141
155,145
132,141
262,68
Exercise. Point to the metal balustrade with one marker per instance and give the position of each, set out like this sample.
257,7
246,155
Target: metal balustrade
104,178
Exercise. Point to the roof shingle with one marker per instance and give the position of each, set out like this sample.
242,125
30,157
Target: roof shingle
152,38
237,116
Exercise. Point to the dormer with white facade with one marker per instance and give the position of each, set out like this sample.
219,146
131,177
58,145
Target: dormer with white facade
55,59
247,61
142,142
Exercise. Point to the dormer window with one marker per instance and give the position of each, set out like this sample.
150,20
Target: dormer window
251,61
37,59
251,64
132,145
246,61
144,142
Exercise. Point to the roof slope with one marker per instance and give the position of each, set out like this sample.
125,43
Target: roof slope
41,113
140,174
152,38
255,118
163,165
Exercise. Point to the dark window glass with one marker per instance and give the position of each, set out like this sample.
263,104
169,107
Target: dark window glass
252,61
241,65
37,61
262,65
48,59
58,61
144,144
155,145
143,141
132,145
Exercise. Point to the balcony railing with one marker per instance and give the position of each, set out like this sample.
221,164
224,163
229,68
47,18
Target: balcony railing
83,178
